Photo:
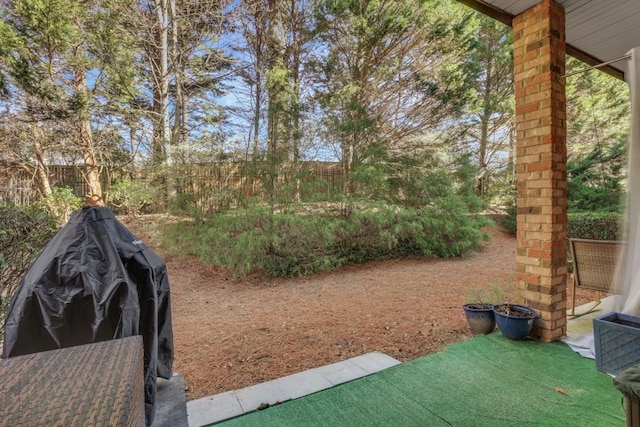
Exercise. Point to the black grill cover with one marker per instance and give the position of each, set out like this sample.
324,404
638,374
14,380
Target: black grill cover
95,281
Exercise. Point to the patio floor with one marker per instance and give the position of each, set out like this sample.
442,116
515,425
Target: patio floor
485,381
583,323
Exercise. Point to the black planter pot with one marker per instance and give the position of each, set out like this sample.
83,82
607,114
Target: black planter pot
480,317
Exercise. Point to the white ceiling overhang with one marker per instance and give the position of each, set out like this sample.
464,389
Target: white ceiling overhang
596,30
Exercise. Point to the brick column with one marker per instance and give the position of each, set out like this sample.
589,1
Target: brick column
539,58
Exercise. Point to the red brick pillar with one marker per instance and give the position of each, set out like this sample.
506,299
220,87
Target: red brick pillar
539,58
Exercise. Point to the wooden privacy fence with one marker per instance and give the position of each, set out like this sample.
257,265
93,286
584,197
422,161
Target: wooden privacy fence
248,180
19,187
204,183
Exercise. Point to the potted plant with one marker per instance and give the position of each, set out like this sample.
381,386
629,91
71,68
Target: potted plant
514,321
479,313
480,317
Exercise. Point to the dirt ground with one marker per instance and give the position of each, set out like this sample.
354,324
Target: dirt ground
230,333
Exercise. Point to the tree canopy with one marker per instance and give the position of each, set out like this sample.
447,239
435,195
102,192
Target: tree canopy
385,88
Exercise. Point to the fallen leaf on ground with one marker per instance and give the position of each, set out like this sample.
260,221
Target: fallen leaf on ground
561,391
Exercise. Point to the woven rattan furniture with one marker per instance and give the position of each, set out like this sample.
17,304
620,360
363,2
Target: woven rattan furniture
594,266
97,384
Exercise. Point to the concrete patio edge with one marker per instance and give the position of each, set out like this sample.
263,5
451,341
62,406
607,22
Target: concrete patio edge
224,406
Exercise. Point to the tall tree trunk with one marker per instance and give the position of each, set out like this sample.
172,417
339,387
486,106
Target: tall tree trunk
43,172
256,115
260,27
296,132
295,76
85,141
179,131
44,186
277,81
482,154
162,130
162,155
484,127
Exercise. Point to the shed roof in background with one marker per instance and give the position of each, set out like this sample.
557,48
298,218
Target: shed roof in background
596,31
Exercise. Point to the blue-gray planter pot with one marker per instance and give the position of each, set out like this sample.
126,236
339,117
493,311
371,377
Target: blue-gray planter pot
480,320
512,326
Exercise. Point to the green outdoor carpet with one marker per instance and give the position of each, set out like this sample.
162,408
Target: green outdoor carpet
485,381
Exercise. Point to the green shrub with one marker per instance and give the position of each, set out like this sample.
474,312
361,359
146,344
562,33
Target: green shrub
131,197
450,232
581,225
286,244
595,181
220,200
23,234
510,222
183,204
60,204
256,240
465,182
595,225
405,206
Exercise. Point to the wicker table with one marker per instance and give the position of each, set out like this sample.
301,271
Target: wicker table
97,384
